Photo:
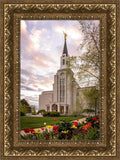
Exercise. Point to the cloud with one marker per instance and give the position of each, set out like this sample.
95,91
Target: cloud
36,82
27,88
41,47
23,27
31,46
72,31
36,36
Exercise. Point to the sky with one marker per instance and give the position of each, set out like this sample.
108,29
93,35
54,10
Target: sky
42,44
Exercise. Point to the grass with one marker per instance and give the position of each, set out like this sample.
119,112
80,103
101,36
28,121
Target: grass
37,122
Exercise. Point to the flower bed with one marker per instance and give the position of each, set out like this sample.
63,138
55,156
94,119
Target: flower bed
88,129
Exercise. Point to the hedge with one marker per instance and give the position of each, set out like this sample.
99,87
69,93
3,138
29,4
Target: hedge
51,114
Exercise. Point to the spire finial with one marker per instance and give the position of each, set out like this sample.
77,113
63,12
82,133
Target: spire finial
65,52
65,35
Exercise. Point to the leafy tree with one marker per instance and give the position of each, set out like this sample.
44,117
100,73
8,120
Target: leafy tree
92,95
24,102
24,106
79,105
23,109
34,110
86,66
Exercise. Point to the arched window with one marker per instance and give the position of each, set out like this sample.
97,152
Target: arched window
54,108
62,74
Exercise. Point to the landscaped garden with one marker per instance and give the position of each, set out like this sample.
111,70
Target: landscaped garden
61,128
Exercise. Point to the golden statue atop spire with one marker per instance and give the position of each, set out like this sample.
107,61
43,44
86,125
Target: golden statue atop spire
65,35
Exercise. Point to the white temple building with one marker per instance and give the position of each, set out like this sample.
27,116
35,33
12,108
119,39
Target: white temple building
67,96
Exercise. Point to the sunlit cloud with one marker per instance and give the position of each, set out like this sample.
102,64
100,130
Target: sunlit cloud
41,47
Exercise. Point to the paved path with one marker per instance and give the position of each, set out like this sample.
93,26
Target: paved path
80,120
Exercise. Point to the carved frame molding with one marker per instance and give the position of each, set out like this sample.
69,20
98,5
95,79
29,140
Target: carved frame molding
10,68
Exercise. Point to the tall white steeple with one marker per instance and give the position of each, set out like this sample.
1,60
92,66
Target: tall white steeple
65,56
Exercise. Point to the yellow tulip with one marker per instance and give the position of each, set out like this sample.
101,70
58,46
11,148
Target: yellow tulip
49,126
74,127
36,131
65,131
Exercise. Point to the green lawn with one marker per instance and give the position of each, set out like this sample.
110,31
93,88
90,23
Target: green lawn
37,122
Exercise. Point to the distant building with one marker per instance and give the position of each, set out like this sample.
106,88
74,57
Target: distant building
67,96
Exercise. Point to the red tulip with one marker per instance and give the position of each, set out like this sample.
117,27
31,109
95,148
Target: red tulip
83,128
32,130
56,132
97,120
94,118
26,130
89,124
75,123
55,119
55,127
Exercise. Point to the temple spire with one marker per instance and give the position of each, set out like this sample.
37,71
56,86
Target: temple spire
65,35
65,51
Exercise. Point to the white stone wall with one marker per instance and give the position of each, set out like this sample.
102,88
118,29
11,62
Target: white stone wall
45,99
55,86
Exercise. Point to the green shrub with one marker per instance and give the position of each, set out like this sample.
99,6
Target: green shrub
92,134
46,114
77,137
33,113
88,111
51,114
41,111
22,114
54,114
89,119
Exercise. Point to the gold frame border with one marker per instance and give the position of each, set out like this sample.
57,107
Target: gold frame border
8,69
16,58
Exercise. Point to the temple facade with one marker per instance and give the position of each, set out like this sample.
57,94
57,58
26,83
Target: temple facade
67,96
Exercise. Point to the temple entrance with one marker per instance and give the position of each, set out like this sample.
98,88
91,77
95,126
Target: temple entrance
54,108
48,108
61,109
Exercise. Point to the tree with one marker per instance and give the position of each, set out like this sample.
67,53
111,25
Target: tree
92,96
24,102
33,110
25,107
79,105
86,67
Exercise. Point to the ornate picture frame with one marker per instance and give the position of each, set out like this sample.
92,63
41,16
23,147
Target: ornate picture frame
11,14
